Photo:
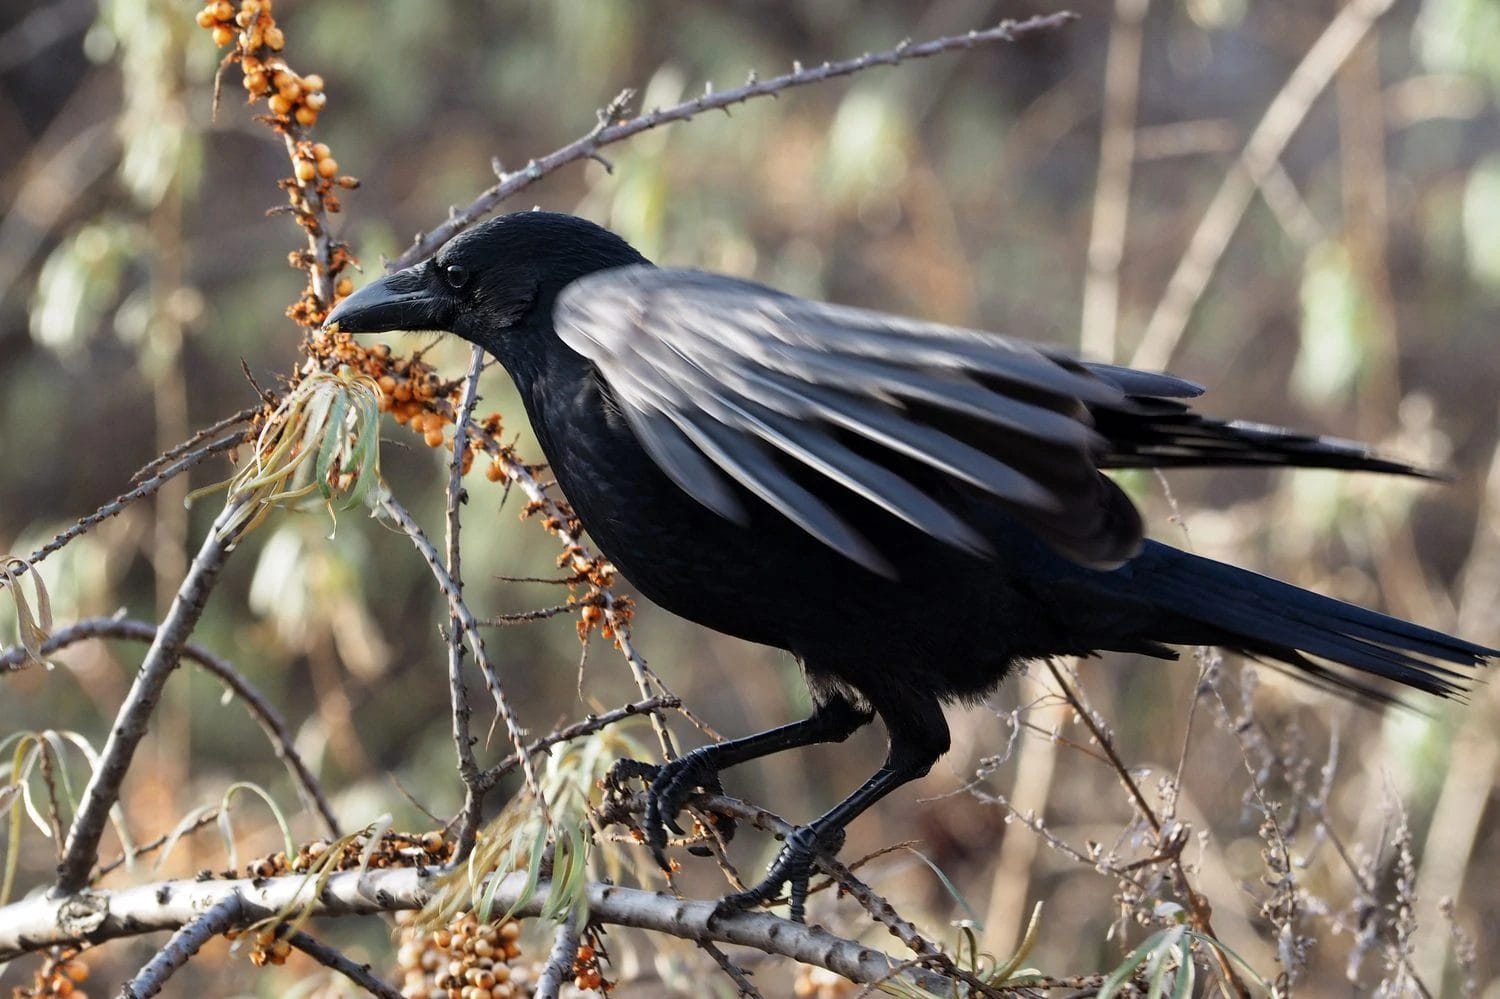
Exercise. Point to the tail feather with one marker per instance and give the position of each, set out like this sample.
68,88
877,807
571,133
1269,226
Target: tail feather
1208,602
1165,434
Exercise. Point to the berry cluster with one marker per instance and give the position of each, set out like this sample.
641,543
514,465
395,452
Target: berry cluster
395,849
294,102
820,983
412,391
586,972
59,977
466,959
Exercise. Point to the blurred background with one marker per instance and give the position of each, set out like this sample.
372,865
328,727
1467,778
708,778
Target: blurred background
1053,190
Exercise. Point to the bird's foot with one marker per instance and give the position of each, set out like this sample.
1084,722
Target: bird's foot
668,787
792,867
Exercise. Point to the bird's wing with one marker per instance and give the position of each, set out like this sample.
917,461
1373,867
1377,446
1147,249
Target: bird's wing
724,380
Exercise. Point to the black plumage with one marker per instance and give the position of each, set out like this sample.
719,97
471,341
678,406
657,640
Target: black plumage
910,509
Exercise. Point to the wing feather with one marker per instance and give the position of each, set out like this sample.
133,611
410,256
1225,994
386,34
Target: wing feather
723,378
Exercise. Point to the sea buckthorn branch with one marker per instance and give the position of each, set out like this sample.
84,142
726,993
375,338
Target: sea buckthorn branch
294,103
469,627
103,790
188,939
145,488
610,130
260,709
359,974
95,917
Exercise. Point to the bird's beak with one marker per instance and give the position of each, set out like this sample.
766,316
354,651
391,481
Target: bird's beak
400,301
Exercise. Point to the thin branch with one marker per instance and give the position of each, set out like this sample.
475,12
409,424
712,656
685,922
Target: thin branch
469,626
1222,218
186,942
260,709
359,974
602,135
201,437
463,741
588,726
208,818
120,502
743,987
1168,837
161,659
560,961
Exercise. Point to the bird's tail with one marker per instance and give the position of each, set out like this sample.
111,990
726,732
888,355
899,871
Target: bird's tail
1209,603
1164,434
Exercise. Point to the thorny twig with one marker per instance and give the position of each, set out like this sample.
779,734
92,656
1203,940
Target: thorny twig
264,713
588,726
468,767
359,974
601,135
469,625
1169,838
120,502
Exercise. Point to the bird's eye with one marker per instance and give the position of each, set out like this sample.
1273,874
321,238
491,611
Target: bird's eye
457,275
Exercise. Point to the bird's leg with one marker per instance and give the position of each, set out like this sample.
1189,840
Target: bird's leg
673,782
918,738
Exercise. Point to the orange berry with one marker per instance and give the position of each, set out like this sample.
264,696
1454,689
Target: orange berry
206,18
434,438
255,81
250,6
306,171
306,116
345,287
315,99
275,39
386,382
312,81
279,104
328,167
77,970
495,472
321,150
223,35
223,10
244,19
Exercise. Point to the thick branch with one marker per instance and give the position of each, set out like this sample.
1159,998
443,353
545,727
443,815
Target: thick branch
98,916
589,145
186,942
103,790
560,961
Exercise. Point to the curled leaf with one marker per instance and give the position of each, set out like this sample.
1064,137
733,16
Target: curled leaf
33,630
320,448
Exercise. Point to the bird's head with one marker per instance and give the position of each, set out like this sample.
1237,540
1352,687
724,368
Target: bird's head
492,285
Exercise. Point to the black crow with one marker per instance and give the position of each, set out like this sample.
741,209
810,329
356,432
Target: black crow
911,510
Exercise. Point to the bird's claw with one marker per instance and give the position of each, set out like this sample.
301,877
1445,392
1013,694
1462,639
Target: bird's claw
668,787
792,867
